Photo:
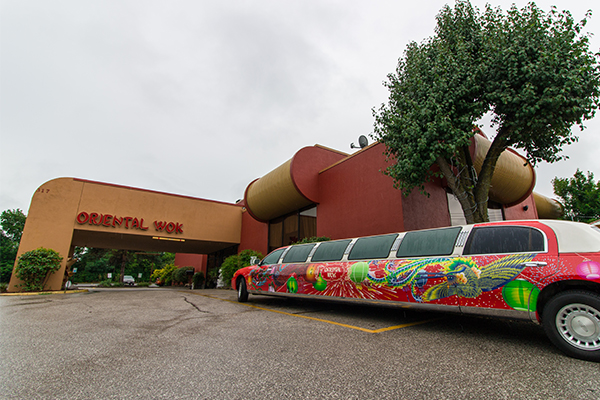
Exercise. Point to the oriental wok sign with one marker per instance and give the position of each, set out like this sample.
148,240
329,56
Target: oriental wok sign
127,222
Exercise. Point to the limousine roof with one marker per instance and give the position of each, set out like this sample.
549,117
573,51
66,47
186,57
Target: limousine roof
575,237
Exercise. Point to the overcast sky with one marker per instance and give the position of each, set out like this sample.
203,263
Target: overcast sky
201,97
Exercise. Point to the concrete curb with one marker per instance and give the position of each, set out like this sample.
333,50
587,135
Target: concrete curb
40,293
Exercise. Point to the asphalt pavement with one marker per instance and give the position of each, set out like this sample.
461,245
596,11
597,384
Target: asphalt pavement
142,343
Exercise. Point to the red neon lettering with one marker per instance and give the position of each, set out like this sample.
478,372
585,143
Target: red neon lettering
160,225
170,227
106,219
142,227
117,221
179,228
135,223
127,219
83,217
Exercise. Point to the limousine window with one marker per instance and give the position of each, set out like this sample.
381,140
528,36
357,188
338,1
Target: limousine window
272,258
298,253
435,242
372,247
504,239
330,251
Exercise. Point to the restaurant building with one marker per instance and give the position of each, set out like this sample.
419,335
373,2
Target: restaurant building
318,192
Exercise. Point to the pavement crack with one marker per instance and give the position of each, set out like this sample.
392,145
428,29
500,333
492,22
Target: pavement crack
195,306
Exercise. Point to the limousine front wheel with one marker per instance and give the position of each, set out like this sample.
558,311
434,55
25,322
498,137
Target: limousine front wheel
572,322
242,292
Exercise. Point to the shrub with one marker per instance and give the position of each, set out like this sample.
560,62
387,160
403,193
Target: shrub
3,287
34,267
235,262
164,276
105,283
198,279
180,275
313,239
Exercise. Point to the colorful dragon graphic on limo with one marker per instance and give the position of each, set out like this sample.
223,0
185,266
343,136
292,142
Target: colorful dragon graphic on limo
422,280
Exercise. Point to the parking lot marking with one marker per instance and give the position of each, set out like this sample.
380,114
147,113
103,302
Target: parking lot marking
358,328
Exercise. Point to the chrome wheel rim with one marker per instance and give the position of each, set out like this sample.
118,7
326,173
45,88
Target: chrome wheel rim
579,325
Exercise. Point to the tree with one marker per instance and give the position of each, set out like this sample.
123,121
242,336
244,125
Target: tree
533,71
579,196
12,223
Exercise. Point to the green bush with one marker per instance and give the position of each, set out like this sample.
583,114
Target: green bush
313,239
198,279
235,262
105,283
34,267
180,275
3,287
164,276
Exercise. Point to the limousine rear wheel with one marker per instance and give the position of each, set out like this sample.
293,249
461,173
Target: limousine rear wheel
242,292
572,322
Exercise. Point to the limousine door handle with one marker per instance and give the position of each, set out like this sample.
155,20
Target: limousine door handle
535,264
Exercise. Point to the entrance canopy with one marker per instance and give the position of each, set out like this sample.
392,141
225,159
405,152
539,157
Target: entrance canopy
69,212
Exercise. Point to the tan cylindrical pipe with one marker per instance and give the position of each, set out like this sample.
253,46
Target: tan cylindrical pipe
513,179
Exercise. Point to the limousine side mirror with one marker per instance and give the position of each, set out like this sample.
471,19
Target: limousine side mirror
254,260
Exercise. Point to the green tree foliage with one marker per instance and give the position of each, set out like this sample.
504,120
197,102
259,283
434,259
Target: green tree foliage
94,264
34,267
235,262
533,71
579,196
12,223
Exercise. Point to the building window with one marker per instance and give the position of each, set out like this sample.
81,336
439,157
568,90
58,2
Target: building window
292,227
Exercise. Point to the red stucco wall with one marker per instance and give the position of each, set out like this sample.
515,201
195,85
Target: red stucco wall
518,211
422,212
305,167
357,199
254,234
198,261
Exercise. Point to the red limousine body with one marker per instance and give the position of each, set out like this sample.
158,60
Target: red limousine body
544,271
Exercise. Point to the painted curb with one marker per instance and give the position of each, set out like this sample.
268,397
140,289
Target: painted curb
41,293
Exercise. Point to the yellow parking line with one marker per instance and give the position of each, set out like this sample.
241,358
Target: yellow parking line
358,328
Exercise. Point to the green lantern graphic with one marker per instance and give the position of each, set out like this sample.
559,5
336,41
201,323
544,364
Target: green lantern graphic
521,295
358,272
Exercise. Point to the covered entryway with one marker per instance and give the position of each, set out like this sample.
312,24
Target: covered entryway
69,212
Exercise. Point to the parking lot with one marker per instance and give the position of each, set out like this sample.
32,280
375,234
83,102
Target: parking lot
202,344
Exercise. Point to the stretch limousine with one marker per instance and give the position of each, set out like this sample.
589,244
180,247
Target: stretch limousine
544,271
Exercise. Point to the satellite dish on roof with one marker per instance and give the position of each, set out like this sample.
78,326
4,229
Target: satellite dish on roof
362,142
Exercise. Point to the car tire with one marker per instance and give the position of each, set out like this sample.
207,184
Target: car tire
572,322
242,292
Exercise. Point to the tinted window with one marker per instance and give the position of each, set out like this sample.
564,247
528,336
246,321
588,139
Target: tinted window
298,254
436,242
330,251
272,258
372,247
504,239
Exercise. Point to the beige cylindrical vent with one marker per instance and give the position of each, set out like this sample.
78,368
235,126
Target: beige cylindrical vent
514,177
547,208
275,194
